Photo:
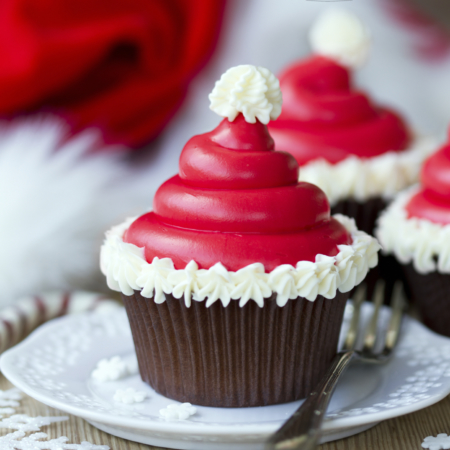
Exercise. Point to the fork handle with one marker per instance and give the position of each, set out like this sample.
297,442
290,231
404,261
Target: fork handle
303,430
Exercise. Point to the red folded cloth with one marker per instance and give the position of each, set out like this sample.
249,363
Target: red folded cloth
122,65
432,40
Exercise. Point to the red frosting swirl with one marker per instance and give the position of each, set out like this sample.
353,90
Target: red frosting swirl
432,202
237,201
323,117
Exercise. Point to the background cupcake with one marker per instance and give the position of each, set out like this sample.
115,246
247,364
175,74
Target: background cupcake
235,284
416,229
360,153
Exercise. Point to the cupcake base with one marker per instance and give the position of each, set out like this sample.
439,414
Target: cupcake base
431,294
366,215
232,356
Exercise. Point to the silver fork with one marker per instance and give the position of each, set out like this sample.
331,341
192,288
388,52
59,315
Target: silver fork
303,429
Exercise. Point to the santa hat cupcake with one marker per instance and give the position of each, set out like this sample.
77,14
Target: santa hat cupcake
235,284
360,153
416,230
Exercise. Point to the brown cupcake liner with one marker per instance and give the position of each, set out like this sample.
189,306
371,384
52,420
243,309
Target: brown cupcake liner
366,215
232,356
431,295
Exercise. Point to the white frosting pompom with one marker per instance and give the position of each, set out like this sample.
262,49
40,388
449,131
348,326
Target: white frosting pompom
340,35
250,90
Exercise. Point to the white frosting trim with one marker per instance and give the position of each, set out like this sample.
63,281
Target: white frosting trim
340,35
250,90
361,179
426,244
127,270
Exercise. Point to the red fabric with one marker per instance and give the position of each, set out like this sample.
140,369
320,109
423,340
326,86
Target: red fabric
123,65
433,40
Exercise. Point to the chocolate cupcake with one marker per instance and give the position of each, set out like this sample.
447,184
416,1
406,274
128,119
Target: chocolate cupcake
235,284
360,153
416,230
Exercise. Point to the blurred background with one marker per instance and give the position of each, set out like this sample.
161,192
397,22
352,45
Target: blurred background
97,99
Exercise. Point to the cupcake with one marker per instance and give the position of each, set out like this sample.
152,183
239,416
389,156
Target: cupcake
416,230
235,284
358,152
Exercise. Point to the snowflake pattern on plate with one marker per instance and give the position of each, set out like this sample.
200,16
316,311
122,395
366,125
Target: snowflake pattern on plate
42,367
56,363
418,385
414,390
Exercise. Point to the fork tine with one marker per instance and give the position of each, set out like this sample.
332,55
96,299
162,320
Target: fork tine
371,330
352,333
397,305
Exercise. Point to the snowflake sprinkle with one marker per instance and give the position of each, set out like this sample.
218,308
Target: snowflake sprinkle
178,411
110,369
6,411
440,442
18,441
22,422
129,396
10,397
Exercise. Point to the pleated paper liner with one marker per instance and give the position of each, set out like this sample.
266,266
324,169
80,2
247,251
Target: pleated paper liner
366,215
431,295
232,356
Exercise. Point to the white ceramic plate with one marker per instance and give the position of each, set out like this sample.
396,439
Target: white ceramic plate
54,364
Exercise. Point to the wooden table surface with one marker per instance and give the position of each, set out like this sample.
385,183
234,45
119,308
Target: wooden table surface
403,433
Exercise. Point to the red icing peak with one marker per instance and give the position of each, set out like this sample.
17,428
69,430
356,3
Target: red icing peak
236,155
241,135
237,201
432,202
324,116
318,91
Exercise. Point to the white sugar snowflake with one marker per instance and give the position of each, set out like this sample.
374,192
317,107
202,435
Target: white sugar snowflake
110,369
177,411
18,441
129,396
22,422
6,403
10,398
440,442
6,411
